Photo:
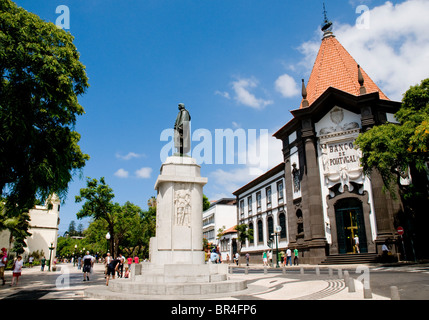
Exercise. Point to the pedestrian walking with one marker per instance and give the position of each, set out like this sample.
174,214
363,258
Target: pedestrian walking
16,270
295,259
283,257
270,257
30,261
112,269
386,252
136,260
288,256
42,264
106,262
247,258
88,262
79,263
129,261
356,240
121,265
237,257
3,262
264,259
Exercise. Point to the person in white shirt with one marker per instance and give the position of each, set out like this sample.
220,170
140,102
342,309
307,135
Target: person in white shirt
356,239
16,270
288,256
88,262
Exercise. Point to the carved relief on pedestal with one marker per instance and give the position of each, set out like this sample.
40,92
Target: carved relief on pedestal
182,206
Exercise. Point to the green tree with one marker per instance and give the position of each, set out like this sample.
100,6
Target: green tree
244,233
397,151
98,204
206,202
40,79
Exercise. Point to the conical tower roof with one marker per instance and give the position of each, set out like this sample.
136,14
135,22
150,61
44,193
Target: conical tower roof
335,67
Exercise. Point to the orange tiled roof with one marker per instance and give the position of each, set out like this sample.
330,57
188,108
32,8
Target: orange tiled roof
230,230
335,67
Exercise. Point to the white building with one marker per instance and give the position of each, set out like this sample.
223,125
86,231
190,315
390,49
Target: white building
222,214
262,206
44,221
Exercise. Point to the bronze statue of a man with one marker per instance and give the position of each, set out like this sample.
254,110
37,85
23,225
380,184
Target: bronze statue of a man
182,131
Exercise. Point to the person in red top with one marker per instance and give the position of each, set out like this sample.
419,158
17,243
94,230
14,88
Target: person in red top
136,259
130,261
3,262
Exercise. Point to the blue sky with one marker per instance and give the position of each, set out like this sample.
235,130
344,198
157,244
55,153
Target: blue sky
234,64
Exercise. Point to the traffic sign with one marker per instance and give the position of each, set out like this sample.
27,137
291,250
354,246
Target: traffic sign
400,231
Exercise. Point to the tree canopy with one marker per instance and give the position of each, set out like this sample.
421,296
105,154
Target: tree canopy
400,151
40,79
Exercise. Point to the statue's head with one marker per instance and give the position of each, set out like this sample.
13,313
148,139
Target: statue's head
181,106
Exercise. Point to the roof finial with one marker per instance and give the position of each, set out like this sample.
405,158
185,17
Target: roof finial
304,95
362,89
327,25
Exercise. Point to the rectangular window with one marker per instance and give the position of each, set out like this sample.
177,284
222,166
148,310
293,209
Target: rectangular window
280,190
258,201
268,196
241,207
249,204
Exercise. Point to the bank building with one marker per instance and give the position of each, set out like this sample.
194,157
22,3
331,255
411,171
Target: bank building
319,200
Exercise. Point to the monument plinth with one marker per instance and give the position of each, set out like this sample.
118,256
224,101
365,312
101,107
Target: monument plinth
179,237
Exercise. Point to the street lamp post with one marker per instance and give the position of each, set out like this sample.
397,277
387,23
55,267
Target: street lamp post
50,255
74,255
278,230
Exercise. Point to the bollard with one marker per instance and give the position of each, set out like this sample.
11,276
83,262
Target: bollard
246,270
284,270
340,273
331,272
301,270
265,270
394,293
317,271
352,285
346,278
367,294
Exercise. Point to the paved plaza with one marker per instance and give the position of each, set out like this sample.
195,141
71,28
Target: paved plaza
294,283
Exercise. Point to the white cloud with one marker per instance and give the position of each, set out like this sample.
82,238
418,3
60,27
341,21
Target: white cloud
244,96
144,173
235,178
392,47
129,156
287,86
223,94
121,173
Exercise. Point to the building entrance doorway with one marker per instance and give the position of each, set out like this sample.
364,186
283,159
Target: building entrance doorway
350,226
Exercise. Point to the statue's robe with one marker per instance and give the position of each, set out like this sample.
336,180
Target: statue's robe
182,132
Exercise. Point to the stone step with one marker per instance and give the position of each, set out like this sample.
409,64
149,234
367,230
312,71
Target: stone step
351,258
137,291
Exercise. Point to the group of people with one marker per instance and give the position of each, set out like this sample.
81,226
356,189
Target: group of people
16,268
286,257
113,266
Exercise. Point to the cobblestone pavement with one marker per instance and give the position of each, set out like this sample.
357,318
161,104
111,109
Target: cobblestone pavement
296,283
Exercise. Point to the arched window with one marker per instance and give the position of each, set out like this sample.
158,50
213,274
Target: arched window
282,223
260,232
270,224
251,228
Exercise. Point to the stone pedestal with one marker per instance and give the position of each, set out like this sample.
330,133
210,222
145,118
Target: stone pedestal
179,236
